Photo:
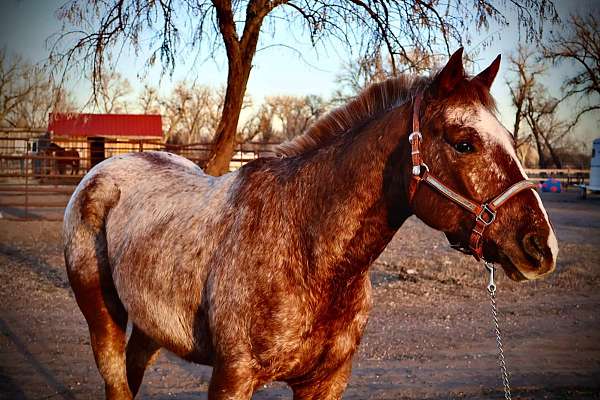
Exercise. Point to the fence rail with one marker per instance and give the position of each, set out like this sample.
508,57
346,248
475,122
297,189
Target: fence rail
567,176
37,185
37,175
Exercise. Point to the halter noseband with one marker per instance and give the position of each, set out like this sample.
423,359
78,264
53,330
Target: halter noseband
485,213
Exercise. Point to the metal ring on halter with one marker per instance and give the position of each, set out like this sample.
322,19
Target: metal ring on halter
486,209
416,170
412,135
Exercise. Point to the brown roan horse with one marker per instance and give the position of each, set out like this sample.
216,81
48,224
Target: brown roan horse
63,158
263,272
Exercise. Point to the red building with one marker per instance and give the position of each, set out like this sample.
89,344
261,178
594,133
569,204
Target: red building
99,136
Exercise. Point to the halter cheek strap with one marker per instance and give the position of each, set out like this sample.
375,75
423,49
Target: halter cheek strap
485,213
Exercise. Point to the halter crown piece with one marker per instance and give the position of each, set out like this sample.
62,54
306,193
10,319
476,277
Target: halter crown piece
485,213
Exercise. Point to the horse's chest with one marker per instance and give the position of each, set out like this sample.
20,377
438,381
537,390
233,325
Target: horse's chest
327,337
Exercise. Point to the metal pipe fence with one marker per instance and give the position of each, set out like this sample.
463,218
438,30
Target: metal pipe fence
38,175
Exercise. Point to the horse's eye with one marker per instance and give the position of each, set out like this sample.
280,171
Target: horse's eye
464,147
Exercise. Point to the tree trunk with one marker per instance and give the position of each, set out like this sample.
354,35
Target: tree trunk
240,53
225,136
555,157
516,127
540,149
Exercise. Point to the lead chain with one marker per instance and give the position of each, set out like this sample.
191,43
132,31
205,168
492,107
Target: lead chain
501,360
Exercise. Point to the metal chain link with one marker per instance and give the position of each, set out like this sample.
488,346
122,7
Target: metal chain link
501,360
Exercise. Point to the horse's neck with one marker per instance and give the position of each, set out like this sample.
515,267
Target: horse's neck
358,197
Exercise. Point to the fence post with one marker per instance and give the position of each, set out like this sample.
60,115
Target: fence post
27,187
241,154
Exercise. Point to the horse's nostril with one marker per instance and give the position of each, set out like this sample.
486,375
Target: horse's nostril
534,246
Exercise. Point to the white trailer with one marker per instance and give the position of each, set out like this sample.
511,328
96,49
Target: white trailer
594,185
595,167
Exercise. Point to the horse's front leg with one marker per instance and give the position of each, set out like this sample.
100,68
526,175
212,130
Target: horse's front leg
326,384
231,381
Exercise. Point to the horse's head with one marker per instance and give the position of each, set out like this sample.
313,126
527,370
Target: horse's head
53,147
467,148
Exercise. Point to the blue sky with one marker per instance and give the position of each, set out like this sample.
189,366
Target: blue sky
26,24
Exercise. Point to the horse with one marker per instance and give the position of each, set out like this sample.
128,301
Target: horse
63,158
262,273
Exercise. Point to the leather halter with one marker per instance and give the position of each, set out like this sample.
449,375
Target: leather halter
485,213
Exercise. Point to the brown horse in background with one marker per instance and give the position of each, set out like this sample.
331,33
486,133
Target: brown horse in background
263,272
63,158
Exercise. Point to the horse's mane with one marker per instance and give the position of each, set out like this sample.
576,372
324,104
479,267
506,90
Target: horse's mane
371,102
375,100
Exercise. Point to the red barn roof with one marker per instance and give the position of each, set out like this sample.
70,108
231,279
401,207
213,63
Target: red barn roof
120,125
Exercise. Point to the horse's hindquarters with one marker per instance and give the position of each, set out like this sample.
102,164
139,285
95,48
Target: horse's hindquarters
151,209
86,258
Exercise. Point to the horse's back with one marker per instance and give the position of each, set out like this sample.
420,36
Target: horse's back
121,178
154,210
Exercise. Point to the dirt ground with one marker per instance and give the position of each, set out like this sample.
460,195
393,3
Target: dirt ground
429,335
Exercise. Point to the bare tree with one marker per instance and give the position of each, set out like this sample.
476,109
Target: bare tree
28,94
526,70
536,108
540,113
283,117
112,93
44,97
356,75
580,48
258,126
192,113
14,87
574,152
397,26
149,101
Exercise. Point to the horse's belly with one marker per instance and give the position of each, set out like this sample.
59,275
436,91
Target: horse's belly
174,326
163,297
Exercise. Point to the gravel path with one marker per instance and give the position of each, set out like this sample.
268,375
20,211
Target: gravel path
429,336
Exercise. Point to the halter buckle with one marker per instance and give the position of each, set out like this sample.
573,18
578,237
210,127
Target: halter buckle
412,136
486,210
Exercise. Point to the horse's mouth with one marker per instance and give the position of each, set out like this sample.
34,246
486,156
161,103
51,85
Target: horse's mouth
513,273
510,269
497,257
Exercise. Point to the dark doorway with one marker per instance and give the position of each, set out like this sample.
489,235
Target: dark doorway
96,150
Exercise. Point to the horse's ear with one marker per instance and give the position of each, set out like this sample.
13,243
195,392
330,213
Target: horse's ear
450,75
487,76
